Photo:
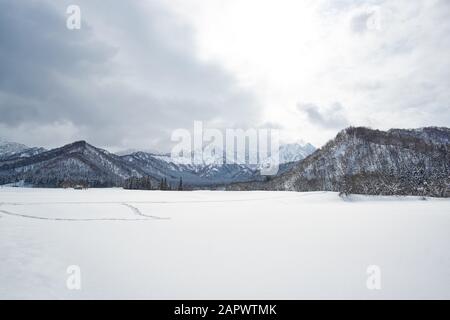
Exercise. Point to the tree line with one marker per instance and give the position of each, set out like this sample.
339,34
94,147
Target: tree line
145,183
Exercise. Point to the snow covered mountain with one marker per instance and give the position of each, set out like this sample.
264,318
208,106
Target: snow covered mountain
13,149
361,160
287,153
294,152
358,160
76,163
213,170
194,175
82,163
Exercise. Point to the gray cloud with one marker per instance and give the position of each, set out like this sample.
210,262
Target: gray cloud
331,117
359,22
126,79
132,73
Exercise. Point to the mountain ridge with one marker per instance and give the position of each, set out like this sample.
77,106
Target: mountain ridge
78,162
81,163
357,160
17,150
367,161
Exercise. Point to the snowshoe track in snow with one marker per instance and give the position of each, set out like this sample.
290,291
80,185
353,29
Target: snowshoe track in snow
139,213
27,216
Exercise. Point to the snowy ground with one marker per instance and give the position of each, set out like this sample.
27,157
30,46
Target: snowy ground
221,245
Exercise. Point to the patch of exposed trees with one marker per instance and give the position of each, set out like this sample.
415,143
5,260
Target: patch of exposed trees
145,183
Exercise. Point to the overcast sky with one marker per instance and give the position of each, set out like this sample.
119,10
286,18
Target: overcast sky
137,70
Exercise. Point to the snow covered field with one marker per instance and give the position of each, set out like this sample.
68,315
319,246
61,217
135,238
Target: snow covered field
221,245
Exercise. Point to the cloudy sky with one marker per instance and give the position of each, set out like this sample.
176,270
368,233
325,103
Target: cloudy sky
137,70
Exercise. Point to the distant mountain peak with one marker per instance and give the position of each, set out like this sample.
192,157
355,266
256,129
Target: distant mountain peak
293,152
78,144
81,142
16,150
4,143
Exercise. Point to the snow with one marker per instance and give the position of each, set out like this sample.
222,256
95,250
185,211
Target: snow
221,245
287,153
295,152
10,148
13,149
